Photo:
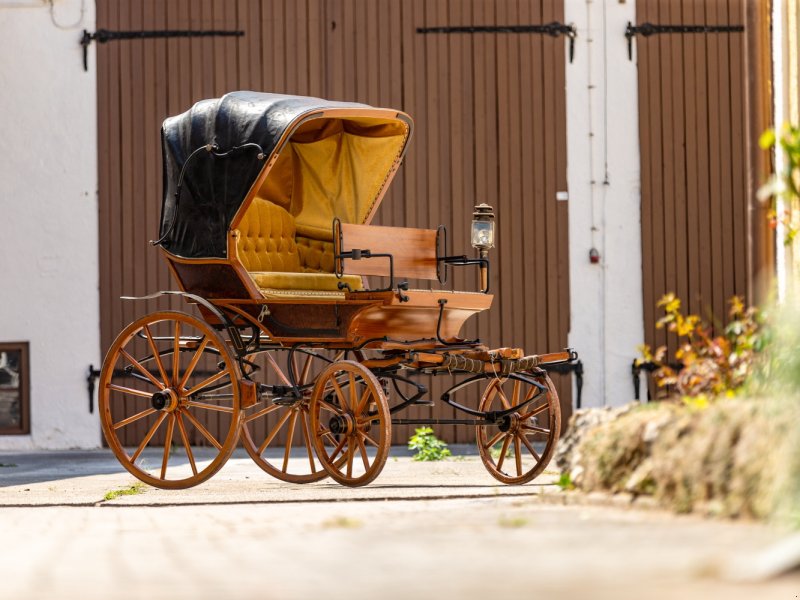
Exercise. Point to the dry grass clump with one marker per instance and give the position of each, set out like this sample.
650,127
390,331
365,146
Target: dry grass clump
734,458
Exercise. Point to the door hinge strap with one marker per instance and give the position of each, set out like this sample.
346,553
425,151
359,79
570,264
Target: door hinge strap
102,36
648,29
553,29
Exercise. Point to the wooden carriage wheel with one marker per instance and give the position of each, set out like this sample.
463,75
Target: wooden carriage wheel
270,430
518,448
167,379
350,418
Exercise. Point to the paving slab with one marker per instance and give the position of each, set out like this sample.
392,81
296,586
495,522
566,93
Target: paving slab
84,478
424,530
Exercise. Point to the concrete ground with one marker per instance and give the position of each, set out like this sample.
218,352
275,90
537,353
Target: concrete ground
428,530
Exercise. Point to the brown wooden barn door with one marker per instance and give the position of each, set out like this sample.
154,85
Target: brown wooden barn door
697,171
490,127
140,83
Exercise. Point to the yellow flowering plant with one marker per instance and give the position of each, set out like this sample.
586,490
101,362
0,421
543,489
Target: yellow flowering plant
710,365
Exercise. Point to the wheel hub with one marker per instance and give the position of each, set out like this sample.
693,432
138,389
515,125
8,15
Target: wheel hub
165,400
509,423
341,424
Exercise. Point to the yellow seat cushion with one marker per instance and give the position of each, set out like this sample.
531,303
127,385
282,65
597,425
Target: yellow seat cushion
315,255
303,281
266,238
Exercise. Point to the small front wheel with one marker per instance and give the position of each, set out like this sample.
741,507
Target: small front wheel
519,446
350,418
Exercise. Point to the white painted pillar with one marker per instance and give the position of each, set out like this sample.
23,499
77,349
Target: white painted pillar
49,215
604,205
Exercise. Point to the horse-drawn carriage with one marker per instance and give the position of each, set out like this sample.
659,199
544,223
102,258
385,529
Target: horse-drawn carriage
309,337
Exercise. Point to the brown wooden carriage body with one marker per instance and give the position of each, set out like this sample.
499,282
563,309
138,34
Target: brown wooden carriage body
265,226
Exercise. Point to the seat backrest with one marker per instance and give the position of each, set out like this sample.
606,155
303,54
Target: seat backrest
316,256
413,250
266,238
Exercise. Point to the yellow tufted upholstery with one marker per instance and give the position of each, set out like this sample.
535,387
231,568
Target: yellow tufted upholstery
267,248
304,281
266,239
315,255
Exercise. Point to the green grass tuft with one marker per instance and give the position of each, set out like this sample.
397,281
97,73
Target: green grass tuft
132,490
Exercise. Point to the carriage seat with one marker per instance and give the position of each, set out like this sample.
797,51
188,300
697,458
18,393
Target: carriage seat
268,248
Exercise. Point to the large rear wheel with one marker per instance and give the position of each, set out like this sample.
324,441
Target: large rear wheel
169,400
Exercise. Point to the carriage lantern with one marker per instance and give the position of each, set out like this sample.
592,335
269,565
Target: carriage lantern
483,237
483,228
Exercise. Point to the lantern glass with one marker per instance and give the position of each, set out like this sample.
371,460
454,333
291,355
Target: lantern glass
483,235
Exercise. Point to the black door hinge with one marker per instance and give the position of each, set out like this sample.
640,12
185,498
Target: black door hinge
102,36
91,376
648,29
553,29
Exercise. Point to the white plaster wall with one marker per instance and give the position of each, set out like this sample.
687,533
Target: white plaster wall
48,217
604,204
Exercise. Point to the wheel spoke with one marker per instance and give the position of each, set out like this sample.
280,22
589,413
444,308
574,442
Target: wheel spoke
506,442
518,455
127,390
369,439
156,355
491,393
362,404
203,430
148,437
186,445
536,428
306,368
274,432
515,393
339,392
307,440
367,420
363,450
167,445
289,436
193,363
494,440
503,399
176,353
207,382
141,369
278,371
338,448
530,448
214,407
534,412
353,393
350,454
261,413
135,417
330,407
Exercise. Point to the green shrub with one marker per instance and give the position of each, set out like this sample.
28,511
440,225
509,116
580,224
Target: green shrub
427,446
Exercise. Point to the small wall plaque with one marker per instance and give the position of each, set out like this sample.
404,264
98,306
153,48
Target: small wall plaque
14,388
